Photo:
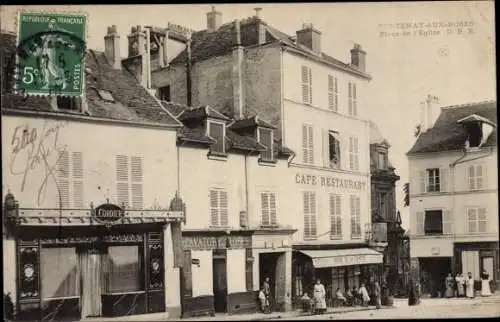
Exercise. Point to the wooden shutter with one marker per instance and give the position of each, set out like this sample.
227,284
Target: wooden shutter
443,177
272,208
249,269
482,221
214,208
335,216
78,196
310,142
305,84
264,202
310,86
312,200
306,210
480,177
265,137
421,175
349,97
354,101
331,88
136,172
305,150
447,222
122,180
326,155
420,223
224,212
188,274
356,152
280,278
63,179
472,220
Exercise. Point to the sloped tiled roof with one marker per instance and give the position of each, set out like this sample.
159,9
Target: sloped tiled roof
194,130
205,44
131,101
447,134
251,122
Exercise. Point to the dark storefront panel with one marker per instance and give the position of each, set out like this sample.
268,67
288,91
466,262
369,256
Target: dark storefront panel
487,258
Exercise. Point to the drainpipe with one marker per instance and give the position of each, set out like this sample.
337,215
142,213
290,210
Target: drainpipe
452,190
188,74
246,189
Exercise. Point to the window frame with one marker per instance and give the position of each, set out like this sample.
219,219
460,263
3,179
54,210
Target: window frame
426,232
353,153
306,84
161,95
475,179
308,144
212,151
140,272
270,209
270,150
335,218
436,184
352,99
355,216
477,220
333,92
219,191
311,222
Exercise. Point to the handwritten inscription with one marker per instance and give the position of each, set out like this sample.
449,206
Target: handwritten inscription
332,182
425,29
33,148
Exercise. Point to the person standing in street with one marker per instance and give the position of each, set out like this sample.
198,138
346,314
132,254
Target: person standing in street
459,285
464,283
449,286
412,293
377,294
470,286
319,297
485,284
266,288
363,292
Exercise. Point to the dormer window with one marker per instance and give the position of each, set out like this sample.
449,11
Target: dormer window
217,131
382,160
265,137
478,130
71,104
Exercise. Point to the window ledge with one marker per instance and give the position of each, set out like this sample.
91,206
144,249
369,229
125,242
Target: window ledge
267,162
310,238
226,228
335,237
270,226
219,156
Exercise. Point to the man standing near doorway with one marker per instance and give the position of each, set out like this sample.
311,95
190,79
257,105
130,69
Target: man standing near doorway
266,288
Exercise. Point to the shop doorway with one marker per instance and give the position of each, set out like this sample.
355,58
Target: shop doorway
219,264
273,265
91,281
434,271
267,268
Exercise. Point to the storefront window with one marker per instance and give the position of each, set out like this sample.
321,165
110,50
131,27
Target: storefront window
59,272
338,274
123,269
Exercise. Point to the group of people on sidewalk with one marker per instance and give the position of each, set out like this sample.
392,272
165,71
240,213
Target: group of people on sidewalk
463,286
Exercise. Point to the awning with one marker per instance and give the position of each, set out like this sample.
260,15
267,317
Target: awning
344,257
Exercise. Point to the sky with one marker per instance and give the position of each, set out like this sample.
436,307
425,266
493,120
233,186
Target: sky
429,58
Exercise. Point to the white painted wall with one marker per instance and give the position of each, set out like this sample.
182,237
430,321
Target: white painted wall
431,247
198,174
236,277
202,275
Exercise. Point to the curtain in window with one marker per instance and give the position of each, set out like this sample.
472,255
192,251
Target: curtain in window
59,272
123,269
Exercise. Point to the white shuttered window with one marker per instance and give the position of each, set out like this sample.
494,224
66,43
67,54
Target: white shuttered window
306,77
355,217
219,214
129,181
353,153
420,222
332,93
476,220
476,177
310,228
353,99
335,216
69,177
268,208
307,144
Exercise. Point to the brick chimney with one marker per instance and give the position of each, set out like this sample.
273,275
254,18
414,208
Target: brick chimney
136,47
112,47
214,19
261,28
430,112
358,57
310,37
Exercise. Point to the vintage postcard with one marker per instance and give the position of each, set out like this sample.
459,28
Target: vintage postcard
300,161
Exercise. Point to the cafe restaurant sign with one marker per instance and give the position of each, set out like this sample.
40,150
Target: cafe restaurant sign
108,213
329,181
347,260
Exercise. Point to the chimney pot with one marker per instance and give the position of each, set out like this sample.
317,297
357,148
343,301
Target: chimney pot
214,19
112,47
358,57
309,37
257,12
237,33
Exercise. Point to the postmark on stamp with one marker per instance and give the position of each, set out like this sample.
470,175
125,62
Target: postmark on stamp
50,53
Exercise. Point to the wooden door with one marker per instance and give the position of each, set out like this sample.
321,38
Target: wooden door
220,284
280,280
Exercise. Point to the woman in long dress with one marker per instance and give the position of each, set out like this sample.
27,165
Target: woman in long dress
470,286
460,288
319,297
412,293
485,284
464,283
363,292
449,286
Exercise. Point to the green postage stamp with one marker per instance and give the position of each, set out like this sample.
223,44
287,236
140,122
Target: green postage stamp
50,53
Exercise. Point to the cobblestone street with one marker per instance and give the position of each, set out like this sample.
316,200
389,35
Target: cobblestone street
428,308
